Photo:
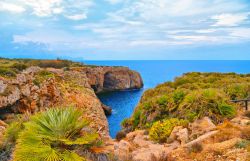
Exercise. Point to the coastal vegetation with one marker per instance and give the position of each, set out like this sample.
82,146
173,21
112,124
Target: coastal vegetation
11,67
189,97
55,134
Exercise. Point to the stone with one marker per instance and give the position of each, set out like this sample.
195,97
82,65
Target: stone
122,150
140,141
2,86
173,136
241,120
182,136
202,126
201,138
222,146
107,109
3,124
130,136
152,152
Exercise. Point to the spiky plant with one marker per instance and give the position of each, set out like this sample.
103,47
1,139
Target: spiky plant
53,136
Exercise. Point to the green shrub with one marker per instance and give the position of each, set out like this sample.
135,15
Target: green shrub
227,110
41,76
19,66
5,72
163,100
12,132
53,135
206,102
136,118
178,96
161,130
242,144
237,91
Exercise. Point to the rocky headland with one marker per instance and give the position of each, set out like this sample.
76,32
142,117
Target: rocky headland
37,88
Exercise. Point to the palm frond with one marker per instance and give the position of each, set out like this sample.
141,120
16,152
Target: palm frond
50,135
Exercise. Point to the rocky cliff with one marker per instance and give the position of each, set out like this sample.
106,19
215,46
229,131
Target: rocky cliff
36,89
103,79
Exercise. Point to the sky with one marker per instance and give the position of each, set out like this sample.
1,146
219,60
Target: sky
125,29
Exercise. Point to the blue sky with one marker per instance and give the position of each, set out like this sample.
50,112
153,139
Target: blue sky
125,29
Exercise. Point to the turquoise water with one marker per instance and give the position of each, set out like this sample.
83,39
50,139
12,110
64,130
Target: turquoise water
154,73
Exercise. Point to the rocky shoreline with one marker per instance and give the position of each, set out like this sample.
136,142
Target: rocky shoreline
36,89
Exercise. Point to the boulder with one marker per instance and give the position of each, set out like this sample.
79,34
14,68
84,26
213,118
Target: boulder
152,152
200,127
173,136
201,138
179,133
2,86
222,146
130,136
141,141
2,123
182,136
107,109
122,150
241,120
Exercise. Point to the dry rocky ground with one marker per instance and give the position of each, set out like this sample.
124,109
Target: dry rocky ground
201,141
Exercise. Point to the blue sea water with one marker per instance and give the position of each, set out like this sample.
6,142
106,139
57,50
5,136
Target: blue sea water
154,73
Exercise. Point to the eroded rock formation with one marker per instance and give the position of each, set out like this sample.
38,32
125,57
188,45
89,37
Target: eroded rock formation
104,79
36,89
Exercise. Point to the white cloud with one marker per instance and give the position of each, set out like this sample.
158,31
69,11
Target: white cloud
142,22
206,31
11,7
43,8
77,17
240,32
229,19
114,1
48,8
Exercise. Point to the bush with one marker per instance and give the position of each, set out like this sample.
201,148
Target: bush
53,135
4,72
161,130
19,66
136,118
237,91
12,132
206,102
227,110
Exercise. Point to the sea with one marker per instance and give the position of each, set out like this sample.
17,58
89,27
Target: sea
154,73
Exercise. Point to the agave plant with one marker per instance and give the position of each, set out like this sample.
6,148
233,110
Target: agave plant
53,136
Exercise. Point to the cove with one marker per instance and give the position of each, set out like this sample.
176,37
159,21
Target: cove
154,73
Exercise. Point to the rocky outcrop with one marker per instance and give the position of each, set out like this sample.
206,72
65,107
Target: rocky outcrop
103,79
36,89
212,142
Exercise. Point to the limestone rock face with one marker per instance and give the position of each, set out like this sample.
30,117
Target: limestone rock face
104,79
36,89
22,94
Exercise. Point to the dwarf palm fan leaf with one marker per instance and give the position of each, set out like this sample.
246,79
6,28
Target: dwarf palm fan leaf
51,136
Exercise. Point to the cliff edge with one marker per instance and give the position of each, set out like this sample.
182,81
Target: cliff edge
38,88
